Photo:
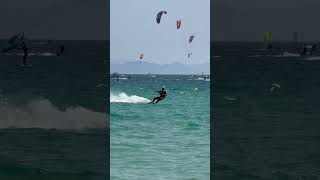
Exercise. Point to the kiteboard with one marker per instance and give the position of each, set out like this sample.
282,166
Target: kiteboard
25,65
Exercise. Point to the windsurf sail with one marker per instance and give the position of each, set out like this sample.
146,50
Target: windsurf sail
178,24
16,41
266,40
191,38
159,15
193,74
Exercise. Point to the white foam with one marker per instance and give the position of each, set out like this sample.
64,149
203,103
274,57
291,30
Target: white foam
32,54
229,98
46,54
124,98
258,55
42,114
287,54
315,58
101,85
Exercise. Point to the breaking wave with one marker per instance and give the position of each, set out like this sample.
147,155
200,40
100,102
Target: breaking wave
315,58
42,114
287,54
32,54
124,98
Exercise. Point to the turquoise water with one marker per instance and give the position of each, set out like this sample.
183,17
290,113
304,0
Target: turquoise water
168,140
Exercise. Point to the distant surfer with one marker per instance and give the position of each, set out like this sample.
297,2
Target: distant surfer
61,50
129,77
304,51
162,95
117,78
313,48
25,54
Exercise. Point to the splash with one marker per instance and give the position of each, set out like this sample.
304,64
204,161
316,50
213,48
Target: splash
287,54
124,98
315,58
42,114
32,54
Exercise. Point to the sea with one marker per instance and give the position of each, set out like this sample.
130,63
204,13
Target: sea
53,115
167,140
259,133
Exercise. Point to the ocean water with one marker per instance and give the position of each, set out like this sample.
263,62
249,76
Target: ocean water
260,134
168,140
53,114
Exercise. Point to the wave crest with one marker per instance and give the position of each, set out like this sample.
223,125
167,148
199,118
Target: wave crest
124,98
42,114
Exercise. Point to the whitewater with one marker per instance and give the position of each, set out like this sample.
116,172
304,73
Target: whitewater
124,98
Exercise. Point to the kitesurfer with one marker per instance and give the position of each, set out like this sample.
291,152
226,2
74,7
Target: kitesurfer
313,48
25,54
162,95
61,50
304,51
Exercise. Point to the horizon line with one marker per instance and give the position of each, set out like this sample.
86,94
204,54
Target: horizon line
161,74
43,39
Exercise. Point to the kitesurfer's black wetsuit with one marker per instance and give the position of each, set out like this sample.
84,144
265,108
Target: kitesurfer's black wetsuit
162,93
25,55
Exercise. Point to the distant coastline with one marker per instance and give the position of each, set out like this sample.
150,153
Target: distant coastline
153,68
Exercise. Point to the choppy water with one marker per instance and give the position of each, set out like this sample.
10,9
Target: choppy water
168,140
259,134
53,114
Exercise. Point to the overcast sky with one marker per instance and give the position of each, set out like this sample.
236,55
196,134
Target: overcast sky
54,19
246,20
134,30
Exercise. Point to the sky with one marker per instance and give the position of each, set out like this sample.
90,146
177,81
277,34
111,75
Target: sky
246,20
55,19
133,29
